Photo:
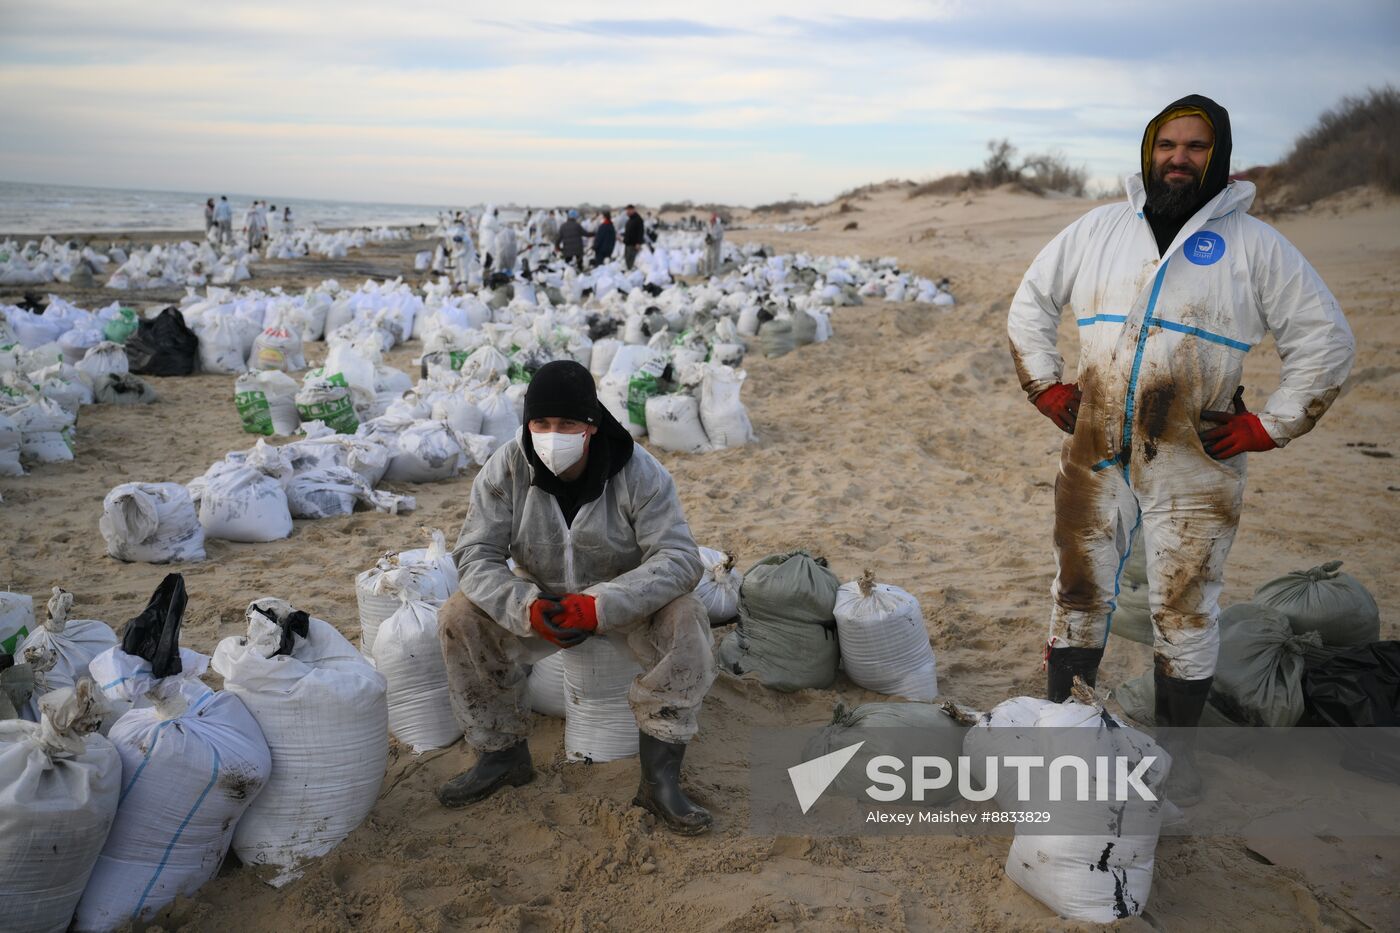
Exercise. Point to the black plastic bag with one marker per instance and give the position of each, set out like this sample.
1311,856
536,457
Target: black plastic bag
155,634
164,346
1360,687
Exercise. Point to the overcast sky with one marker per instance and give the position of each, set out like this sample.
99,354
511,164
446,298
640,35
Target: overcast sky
446,102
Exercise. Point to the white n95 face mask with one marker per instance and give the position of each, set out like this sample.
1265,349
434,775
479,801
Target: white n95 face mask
558,451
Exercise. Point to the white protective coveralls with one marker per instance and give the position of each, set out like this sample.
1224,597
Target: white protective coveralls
631,549
506,250
486,232
714,246
1163,339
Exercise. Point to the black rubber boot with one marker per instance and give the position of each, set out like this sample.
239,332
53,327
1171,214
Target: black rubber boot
660,790
1063,664
492,771
1179,705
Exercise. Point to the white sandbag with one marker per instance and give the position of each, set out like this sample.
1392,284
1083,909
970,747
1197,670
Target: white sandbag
11,442
1089,873
59,783
1003,731
70,394
599,725
104,359
604,350
884,644
16,619
486,364
460,414
673,423
322,710
76,342
718,588
425,452
366,456
68,647
426,574
545,688
46,431
239,503
122,389
498,418
409,655
324,493
722,414
151,522
192,762
221,345
277,348
266,403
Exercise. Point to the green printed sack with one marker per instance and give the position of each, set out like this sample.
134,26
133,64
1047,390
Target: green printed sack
328,400
122,326
645,383
254,411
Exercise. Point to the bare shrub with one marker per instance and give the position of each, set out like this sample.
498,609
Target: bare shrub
1036,173
1354,143
948,184
784,207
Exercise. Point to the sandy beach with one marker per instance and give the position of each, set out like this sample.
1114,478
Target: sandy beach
904,446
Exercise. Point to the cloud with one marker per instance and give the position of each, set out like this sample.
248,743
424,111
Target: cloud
730,102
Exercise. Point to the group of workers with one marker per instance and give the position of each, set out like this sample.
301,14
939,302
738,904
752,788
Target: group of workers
218,222
547,233
1170,289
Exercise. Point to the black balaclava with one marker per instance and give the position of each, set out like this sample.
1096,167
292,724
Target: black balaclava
564,389
1217,172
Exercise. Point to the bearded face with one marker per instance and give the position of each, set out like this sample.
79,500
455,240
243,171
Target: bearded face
1173,198
1179,157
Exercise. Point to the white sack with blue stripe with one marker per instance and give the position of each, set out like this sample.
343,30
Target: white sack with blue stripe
59,783
323,711
192,762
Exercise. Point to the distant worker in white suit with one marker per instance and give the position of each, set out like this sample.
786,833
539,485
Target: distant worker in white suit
714,244
506,250
223,219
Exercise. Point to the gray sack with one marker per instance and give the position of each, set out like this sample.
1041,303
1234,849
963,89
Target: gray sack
787,624
1326,601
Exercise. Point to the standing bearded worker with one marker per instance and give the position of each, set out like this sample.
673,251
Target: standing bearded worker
601,549
1170,290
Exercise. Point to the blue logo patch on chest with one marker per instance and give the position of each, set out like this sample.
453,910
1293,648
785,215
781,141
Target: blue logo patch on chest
1205,248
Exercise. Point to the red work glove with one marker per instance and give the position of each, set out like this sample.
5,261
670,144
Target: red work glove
580,613
545,614
1236,432
1060,403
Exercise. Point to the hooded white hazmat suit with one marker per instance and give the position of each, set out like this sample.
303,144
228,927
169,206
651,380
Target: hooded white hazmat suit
631,549
1163,339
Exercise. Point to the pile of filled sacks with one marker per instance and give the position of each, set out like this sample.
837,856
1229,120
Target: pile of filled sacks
182,265
798,624
128,780
51,365
253,496
48,260
398,601
309,241
1303,623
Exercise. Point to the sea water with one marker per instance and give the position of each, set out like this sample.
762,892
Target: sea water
38,209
